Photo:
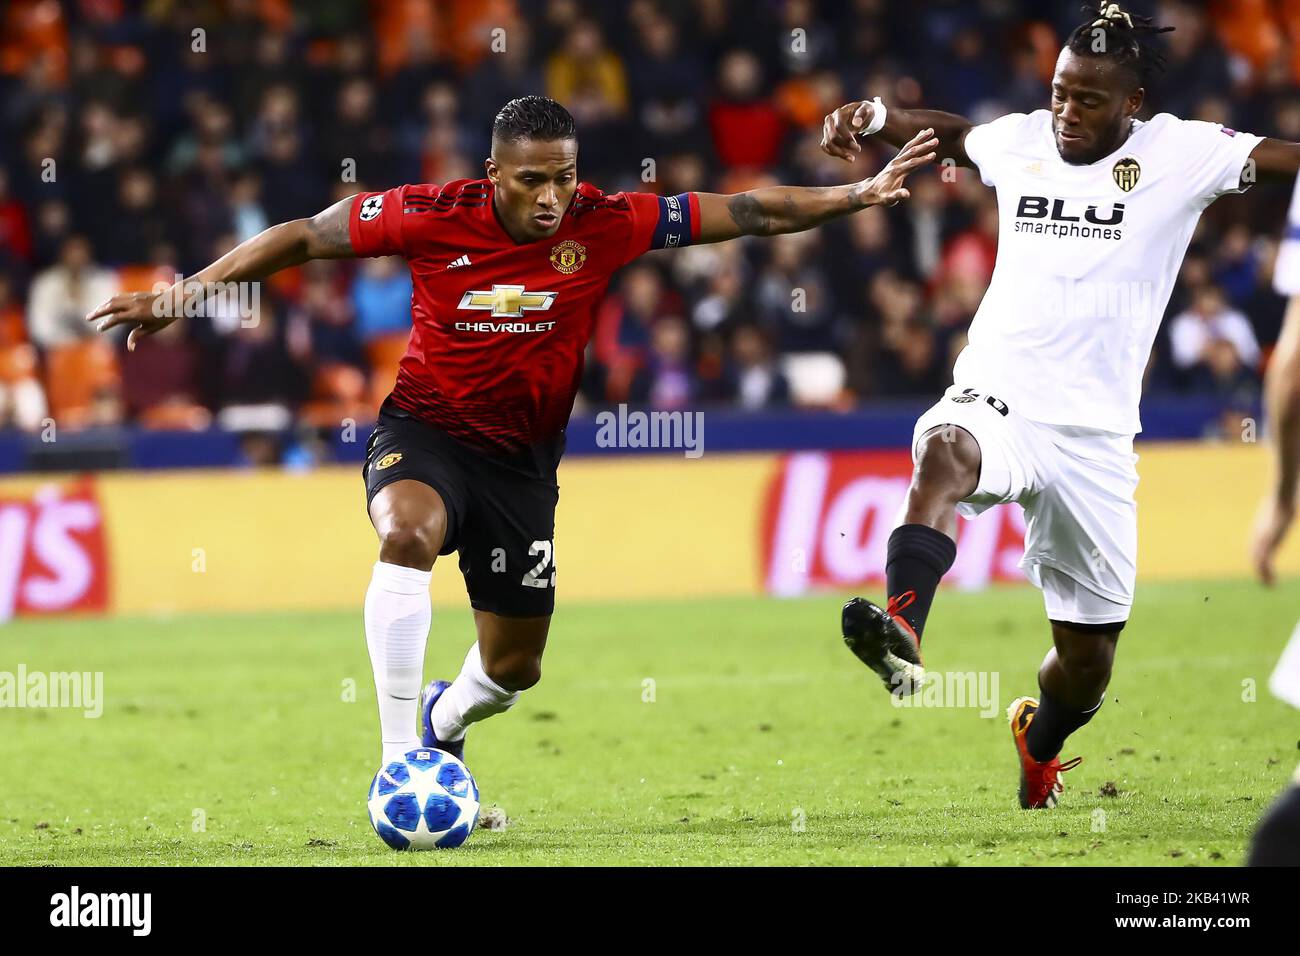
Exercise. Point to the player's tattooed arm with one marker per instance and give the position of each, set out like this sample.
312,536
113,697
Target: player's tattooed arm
328,236
840,130
287,244
1275,159
779,209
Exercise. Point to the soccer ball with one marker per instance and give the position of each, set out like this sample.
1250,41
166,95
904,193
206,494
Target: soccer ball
426,800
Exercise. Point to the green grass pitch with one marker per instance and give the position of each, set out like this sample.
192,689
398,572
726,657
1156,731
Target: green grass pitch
232,740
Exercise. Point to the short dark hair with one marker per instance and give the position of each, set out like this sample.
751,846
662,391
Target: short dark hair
533,117
1112,34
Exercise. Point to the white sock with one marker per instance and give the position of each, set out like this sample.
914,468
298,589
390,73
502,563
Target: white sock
397,627
471,697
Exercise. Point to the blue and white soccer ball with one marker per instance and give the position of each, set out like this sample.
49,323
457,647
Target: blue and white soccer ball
425,801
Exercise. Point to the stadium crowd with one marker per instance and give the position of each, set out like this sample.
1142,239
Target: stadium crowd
139,140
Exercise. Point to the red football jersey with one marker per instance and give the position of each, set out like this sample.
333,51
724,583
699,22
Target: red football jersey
498,328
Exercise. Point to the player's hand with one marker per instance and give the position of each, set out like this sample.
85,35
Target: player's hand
141,310
1271,525
840,129
886,187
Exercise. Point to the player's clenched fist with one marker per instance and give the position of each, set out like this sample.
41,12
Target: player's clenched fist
840,129
137,309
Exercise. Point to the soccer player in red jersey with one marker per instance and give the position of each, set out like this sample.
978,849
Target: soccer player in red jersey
508,273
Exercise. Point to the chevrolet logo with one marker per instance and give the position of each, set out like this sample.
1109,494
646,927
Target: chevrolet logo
508,301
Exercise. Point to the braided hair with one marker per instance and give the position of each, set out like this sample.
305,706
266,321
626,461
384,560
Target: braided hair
1121,38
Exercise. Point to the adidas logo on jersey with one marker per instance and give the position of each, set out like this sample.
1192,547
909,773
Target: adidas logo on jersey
456,263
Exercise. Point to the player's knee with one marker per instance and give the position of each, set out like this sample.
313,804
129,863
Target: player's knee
514,672
947,465
412,544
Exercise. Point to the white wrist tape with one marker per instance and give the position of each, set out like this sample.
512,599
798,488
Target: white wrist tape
878,114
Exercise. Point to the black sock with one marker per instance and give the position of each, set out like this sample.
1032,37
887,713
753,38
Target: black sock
1277,840
917,557
1052,724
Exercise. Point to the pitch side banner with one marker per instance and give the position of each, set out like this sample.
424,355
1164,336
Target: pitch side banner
628,528
52,555
827,519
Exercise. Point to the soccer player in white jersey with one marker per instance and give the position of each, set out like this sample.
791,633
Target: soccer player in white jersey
1277,841
1097,209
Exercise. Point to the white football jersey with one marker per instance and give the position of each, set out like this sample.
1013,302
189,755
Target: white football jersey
1286,272
1087,259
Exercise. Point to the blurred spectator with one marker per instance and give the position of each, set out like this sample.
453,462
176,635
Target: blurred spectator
22,399
966,76
587,76
794,298
1197,65
247,216
62,295
666,380
321,326
15,230
724,304
260,380
381,296
138,223
500,78
356,133
759,381
119,133
747,128
911,364
623,326
666,80
53,226
910,361
1214,345
161,379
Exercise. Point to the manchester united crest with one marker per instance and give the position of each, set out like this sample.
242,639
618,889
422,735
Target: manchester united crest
388,461
1126,173
568,256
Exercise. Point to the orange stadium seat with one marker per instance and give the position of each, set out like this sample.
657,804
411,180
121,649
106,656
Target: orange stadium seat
143,278
338,392
1290,15
76,374
17,363
179,416
31,30
384,354
1248,29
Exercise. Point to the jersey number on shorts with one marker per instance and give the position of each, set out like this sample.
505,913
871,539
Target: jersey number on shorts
537,576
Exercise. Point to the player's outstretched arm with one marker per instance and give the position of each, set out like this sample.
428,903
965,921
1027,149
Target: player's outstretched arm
323,236
773,210
1282,406
840,130
1277,159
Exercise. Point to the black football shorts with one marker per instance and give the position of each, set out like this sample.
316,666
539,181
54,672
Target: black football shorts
502,521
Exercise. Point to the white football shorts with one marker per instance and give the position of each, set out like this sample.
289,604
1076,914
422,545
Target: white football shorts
1076,486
